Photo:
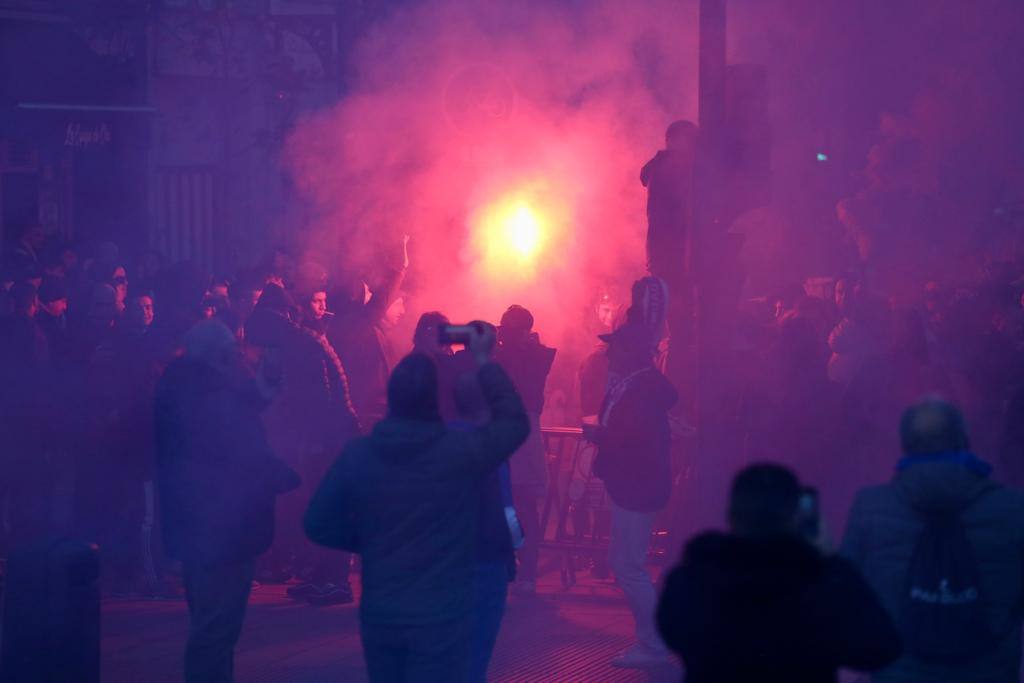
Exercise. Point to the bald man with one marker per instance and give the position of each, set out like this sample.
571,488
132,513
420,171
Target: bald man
942,499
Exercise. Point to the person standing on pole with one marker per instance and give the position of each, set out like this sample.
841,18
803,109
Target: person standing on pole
668,178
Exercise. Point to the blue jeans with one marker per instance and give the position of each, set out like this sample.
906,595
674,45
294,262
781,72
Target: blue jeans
491,592
217,597
422,653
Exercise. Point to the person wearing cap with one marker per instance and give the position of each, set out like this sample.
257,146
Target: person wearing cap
633,439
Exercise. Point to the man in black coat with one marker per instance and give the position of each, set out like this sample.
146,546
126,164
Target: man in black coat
218,481
633,441
668,179
528,362
763,604
407,500
307,424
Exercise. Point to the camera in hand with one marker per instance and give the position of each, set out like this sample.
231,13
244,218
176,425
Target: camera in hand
458,334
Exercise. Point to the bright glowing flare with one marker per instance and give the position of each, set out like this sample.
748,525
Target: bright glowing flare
510,236
523,231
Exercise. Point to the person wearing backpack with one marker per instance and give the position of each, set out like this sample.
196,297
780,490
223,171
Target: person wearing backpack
943,546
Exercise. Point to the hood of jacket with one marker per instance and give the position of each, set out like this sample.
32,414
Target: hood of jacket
942,486
395,437
266,327
739,573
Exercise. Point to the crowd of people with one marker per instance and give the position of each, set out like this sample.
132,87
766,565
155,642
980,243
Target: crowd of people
829,372
151,397
84,339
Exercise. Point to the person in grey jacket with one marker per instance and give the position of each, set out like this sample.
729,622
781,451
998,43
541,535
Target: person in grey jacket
938,474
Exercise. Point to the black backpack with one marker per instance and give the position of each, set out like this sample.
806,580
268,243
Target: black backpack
944,617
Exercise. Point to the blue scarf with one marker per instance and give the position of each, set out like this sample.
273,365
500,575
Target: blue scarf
965,458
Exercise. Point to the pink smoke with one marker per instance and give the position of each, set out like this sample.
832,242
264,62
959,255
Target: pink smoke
459,104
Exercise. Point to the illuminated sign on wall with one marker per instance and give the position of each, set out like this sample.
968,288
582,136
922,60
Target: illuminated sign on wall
88,135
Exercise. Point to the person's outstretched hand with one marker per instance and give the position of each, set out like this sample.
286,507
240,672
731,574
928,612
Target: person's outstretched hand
483,341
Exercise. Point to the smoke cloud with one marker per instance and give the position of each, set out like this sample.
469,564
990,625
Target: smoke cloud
467,115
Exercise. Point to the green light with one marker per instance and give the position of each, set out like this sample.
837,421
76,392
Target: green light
822,156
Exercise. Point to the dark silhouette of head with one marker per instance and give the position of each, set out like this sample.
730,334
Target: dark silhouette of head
516,325
682,136
764,501
211,343
933,426
412,389
103,305
426,337
349,293
275,298
245,291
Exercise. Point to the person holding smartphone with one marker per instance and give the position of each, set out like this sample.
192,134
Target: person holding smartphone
407,500
763,602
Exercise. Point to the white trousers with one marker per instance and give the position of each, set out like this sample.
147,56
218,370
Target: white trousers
627,555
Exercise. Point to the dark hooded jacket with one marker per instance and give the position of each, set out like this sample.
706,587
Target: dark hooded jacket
357,334
406,499
528,365
667,179
741,609
633,443
884,526
215,472
314,409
